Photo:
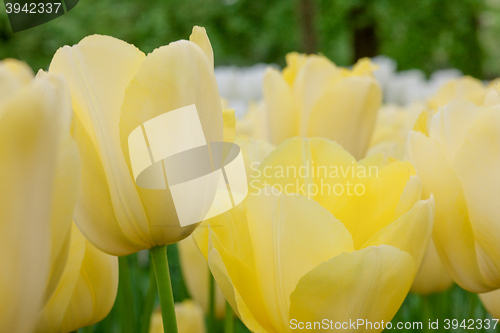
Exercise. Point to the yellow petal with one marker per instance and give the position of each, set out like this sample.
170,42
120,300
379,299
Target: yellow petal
450,125
277,223
322,170
98,70
453,235
491,302
294,61
432,276
170,77
282,114
86,291
370,284
346,113
477,166
311,82
199,37
410,233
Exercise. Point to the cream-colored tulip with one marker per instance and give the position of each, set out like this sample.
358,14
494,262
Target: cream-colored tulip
458,159
491,302
86,291
39,169
190,319
312,97
281,259
115,88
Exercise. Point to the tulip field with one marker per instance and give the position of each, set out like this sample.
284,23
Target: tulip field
158,190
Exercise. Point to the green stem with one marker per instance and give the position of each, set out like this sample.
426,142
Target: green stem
229,319
211,303
149,302
126,294
160,264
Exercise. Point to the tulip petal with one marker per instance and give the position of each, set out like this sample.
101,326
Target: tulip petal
282,116
491,302
53,313
411,194
171,77
410,233
432,276
277,223
477,166
199,37
369,284
98,70
93,214
229,270
350,104
450,125
312,78
453,235
361,195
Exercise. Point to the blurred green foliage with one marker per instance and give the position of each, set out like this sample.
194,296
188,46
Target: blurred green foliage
425,34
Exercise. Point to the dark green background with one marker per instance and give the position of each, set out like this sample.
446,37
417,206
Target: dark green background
425,34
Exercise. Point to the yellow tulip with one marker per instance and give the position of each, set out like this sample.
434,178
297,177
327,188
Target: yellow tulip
458,159
190,319
39,169
491,302
314,98
303,255
465,87
86,292
392,127
115,88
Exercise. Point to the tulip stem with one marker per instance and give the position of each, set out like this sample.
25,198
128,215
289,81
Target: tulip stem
229,319
211,303
160,264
